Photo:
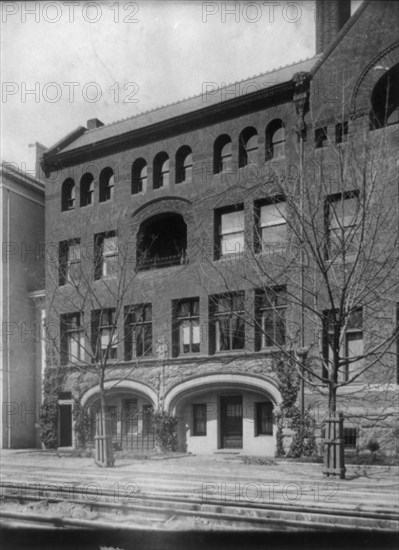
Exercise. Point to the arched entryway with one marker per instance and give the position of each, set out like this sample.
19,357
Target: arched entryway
226,411
129,405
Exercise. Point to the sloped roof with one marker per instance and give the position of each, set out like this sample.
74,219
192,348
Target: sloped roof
189,105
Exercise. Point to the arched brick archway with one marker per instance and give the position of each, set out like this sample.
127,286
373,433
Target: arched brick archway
127,386
222,381
361,97
226,411
174,205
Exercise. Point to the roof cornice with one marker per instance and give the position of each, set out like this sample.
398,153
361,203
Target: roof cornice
53,160
9,173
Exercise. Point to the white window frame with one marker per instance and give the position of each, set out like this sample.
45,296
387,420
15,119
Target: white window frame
225,235
277,222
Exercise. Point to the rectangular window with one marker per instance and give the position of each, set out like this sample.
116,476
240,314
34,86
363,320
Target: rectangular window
231,231
351,343
264,418
69,261
138,331
104,333
350,437
272,225
227,313
106,254
342,221
271,308
341,132
72,338
199,419
186,326
320,136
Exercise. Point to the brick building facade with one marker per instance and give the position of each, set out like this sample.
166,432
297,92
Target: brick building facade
185,189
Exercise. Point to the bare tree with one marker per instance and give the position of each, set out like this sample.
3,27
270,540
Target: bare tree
323,255
93,297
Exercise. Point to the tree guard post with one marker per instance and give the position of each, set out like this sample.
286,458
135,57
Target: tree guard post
334,461
104,455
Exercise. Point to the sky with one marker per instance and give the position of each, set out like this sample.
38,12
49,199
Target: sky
64,62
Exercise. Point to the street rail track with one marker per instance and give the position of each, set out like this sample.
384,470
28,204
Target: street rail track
156,511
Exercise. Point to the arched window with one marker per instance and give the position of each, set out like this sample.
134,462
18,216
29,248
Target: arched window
162,242
68,195
222,154
385,100
275,140
86,189
107,182
161,170
248,147
139,176
184,164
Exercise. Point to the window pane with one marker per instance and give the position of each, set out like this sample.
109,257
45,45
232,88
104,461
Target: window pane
110,245
232,222
74,252
105,337
272,214
110,266
273,235
188,161
252,143
185,332
195,307
232,243
238,333
184,309
226,150
354,344
223,325
196,331
344,213
278,136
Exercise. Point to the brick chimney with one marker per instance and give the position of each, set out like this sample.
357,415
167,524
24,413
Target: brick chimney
331,16
94,123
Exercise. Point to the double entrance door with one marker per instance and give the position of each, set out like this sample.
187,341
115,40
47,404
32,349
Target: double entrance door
231,421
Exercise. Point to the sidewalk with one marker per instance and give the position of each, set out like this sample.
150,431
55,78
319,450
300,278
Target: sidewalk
215,476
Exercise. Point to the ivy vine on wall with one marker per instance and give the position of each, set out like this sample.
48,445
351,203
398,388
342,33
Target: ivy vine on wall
303,441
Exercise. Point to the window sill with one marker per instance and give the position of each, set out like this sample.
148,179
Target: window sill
228,257
268,351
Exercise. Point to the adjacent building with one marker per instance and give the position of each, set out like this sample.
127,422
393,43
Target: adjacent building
22,301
